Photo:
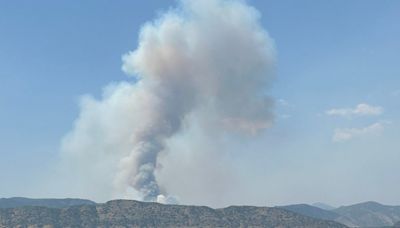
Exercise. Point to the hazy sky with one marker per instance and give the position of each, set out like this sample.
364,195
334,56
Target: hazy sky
336,134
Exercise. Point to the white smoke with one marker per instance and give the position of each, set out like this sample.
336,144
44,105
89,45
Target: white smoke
206,63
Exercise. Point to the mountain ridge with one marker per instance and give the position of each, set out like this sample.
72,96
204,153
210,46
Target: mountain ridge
130,213
73,212
16,202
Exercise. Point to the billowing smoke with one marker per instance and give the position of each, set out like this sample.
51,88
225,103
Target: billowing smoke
210,59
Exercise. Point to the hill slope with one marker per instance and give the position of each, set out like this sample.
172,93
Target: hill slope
17,202
125,213
370,214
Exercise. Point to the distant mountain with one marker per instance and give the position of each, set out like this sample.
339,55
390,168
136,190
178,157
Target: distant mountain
17,202
126,213
370,214
323,206
316,212
311,211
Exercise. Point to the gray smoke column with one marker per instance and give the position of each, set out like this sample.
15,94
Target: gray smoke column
204,55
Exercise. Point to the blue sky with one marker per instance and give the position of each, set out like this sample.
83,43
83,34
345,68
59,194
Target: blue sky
331,55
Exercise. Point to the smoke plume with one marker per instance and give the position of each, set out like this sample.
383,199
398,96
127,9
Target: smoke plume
205,63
